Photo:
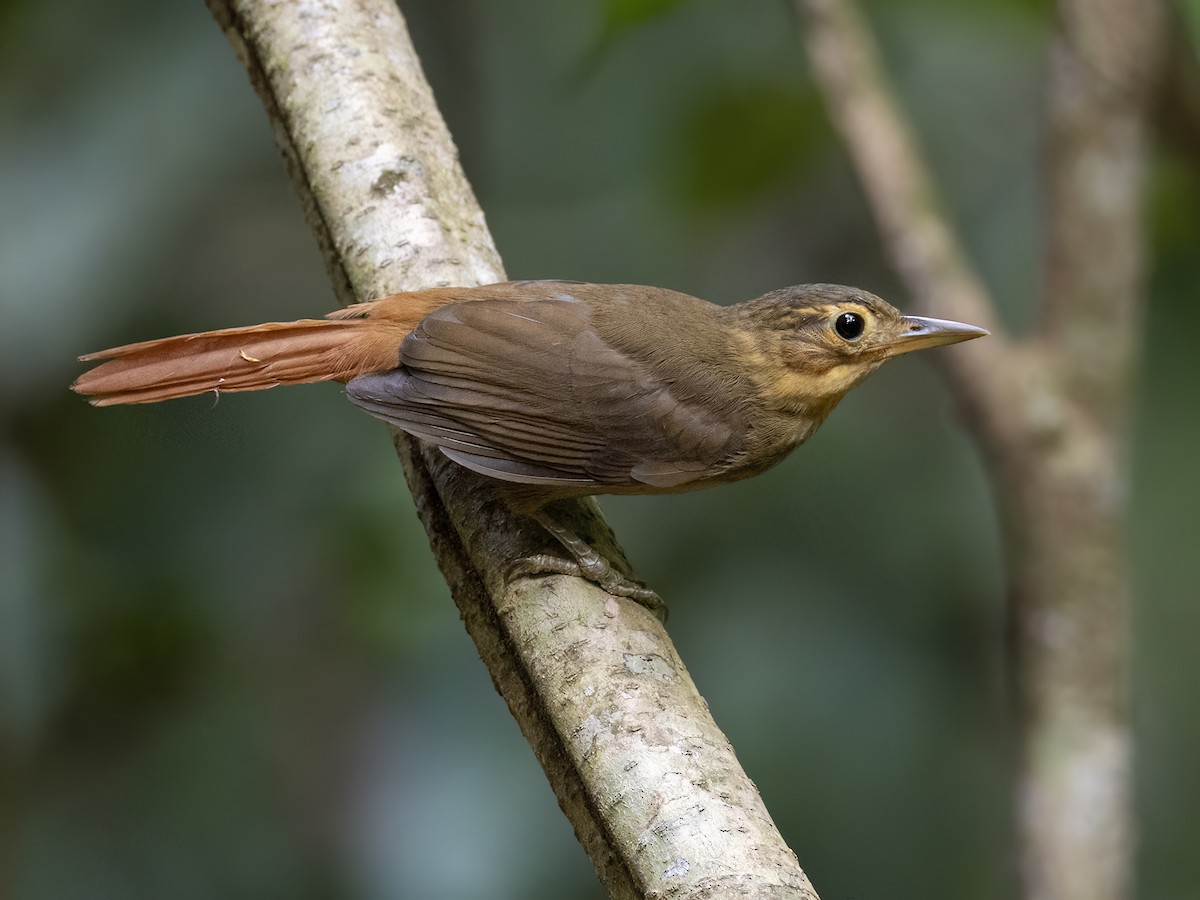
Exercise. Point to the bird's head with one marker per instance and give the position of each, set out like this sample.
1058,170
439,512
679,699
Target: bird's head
817,341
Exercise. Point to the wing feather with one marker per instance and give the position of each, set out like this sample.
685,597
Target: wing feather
528,391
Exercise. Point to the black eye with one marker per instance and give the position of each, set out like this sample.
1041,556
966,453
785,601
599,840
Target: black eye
849,326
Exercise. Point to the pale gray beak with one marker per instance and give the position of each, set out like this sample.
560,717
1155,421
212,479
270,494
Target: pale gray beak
921,332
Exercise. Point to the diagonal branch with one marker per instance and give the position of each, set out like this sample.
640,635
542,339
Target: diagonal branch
649,783
922,246
917,236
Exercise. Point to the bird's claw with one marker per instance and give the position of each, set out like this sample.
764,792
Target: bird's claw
595,569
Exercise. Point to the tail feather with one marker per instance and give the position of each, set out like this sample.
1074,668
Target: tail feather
252,358
358,340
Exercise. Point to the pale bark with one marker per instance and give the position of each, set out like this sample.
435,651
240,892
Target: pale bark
649,783
1049,409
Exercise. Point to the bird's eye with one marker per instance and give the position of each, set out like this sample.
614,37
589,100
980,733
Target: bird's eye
849,326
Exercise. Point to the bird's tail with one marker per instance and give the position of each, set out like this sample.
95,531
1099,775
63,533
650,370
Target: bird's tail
362,339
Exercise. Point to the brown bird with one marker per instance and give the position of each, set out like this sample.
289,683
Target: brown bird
559,389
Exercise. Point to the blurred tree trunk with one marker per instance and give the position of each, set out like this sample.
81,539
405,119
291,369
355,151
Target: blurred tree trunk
650,784
1050,410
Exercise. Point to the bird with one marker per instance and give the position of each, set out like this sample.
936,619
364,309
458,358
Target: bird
556,390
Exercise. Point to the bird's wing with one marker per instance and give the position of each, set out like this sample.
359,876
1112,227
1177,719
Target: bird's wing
527,391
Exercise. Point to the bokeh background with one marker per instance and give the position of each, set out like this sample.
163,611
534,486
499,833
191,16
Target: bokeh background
228,665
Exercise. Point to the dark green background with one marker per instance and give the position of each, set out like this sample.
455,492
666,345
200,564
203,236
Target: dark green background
228,666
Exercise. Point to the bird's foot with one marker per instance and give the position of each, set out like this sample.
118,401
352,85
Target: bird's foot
596,569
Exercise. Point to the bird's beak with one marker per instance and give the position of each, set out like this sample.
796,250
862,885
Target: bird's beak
920,332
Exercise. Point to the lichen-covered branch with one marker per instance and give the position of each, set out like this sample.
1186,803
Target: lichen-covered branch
649,783
1049,410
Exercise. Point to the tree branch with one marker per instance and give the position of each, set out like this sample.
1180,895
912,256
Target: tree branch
1104,63
1071,603
1049,411
917,236
650,784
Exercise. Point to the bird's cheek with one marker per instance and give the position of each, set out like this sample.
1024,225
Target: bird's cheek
835,380
797,389
845,377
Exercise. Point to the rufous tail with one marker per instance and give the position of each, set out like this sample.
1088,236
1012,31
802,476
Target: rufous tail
355,341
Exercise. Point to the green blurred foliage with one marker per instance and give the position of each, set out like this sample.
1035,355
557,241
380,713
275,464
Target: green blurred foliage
228,665
741,142
624,15
1190,11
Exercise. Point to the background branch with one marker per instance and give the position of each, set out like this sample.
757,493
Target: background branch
1103,67
1049,410
648,781
916,233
